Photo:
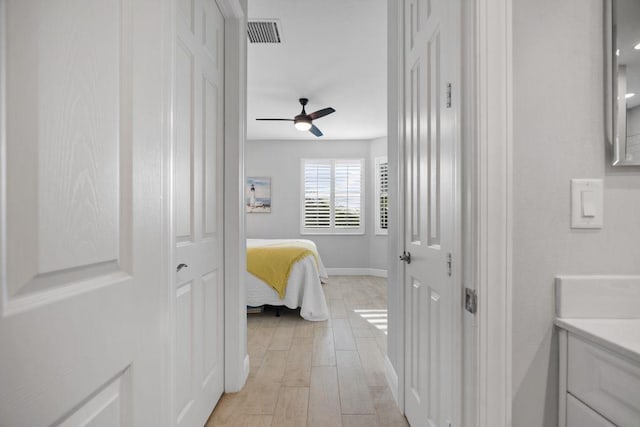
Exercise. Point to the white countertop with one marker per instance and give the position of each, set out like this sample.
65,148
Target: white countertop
619,335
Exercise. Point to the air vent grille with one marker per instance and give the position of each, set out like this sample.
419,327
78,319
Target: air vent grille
263,32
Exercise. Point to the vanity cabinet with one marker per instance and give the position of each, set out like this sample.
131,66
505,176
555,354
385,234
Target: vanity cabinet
599,344
598,387
580,415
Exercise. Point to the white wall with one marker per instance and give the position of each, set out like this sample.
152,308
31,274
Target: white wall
281,161
559,135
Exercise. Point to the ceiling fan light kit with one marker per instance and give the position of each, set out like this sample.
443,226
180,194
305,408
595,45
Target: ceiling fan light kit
302,124
304,121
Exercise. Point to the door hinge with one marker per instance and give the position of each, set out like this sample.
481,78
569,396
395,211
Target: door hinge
448,95
449,264
470,300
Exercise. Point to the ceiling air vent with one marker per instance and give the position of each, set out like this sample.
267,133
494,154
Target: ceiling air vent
263,31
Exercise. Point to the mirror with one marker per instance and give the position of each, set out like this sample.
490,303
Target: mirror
623,76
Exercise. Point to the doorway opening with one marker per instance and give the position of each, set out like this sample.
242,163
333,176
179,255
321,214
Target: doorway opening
330,190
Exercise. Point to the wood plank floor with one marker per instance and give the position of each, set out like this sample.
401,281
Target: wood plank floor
318,373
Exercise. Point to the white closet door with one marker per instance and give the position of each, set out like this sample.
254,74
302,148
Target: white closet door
430,211
198,203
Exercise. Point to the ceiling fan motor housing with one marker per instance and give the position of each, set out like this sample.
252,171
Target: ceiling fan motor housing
302,122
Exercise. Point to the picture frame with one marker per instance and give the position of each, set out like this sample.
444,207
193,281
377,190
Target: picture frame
258,194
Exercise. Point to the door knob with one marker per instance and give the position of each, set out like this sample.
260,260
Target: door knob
406,257
181,266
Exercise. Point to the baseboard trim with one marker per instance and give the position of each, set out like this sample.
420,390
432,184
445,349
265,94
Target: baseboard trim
392,377
376,272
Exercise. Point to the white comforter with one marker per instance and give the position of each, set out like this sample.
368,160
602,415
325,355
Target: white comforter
304,289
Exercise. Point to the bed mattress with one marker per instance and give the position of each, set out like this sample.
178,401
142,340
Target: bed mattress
304,287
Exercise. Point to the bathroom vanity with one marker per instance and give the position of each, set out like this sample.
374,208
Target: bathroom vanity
599,338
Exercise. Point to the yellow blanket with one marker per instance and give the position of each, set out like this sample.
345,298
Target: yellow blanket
273,264
298,244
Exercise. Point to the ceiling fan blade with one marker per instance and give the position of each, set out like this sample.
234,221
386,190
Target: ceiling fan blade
321,113
314,130
279,120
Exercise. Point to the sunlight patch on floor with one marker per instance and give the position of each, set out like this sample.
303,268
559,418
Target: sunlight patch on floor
377,317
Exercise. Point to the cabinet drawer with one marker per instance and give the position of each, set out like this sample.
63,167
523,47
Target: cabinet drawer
580,415
604,381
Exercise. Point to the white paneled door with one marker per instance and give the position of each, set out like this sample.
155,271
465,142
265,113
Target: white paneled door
83,281
198,214
431,55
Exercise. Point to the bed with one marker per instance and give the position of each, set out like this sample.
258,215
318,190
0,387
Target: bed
304,287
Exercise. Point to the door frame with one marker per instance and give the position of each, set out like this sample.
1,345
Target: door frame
236,360
487,209
491,231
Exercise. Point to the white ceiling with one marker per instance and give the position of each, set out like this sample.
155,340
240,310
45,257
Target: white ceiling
332,52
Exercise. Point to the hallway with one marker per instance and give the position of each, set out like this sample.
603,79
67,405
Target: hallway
318,373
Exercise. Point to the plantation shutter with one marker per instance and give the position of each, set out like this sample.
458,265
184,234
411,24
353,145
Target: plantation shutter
381,202
333,196
348,189
383,196
317,194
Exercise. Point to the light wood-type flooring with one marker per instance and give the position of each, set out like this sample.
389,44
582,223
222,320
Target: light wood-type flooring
322,374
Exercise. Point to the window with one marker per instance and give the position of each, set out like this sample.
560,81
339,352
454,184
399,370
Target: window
332,200
382,195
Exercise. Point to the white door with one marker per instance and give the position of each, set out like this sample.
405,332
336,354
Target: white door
198,203
82,289
431,303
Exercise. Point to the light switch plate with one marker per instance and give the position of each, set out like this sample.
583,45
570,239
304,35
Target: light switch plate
587,191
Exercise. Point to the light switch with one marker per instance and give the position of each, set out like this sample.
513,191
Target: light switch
586,203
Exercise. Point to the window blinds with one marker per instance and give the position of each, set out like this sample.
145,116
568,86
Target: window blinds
383,195
348,186
317,194
332,195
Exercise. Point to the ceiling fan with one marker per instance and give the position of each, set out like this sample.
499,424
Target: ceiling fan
303,121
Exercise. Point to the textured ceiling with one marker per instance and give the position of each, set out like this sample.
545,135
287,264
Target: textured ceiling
332,52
